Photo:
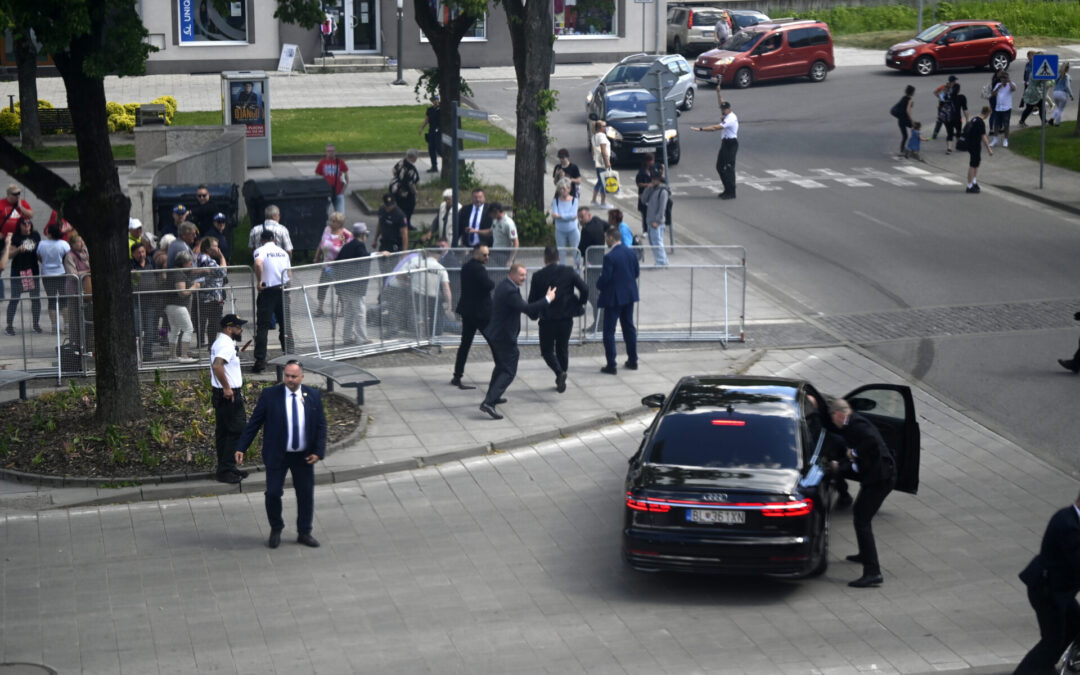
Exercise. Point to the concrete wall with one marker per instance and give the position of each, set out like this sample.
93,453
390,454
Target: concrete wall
177,156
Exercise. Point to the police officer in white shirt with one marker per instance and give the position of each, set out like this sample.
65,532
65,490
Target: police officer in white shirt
272,214
227,398
272,273
729,146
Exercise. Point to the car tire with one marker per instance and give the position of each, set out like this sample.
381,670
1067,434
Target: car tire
999,61
674,154
743,78
688,100
823,563
924,65
818,72
678,48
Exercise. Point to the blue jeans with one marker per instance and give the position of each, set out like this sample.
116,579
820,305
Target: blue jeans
565,239
656,240
337,203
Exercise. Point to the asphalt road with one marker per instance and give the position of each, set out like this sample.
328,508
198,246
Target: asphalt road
964,293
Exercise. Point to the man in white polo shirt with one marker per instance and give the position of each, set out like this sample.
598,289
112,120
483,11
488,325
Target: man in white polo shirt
272,273
227,399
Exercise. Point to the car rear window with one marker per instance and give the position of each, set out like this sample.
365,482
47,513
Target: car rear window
711,425
706,17
1003,30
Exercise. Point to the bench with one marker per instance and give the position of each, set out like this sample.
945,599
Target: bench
150,113
344,374
55,120
12,376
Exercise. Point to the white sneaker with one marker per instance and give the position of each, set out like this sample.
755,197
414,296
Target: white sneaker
1005,143
993,141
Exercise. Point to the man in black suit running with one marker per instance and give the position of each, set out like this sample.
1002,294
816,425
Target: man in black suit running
502,332
474,306
557,319
1053,579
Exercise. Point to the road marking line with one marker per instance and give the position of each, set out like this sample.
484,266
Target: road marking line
912,170
808,184
763,187
782,173
852,182
872,219
941,180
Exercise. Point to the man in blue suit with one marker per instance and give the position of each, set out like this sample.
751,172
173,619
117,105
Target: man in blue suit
507,306
618,293
294,438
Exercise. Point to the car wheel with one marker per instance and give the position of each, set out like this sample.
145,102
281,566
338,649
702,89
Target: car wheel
688,100
823,561
743,78
818,71
678,46
999,61
924,66
674,154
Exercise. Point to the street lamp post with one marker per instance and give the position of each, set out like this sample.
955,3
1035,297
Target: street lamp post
400,29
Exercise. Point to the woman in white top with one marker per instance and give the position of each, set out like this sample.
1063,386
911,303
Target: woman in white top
564,209
51,254
601,152
1062,93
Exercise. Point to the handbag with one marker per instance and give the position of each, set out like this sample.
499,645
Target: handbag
611,181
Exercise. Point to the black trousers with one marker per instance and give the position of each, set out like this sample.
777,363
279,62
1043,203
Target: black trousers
469,327
555,343
871,496
303,479
229,420
434,144
270,302
16,291
725,164
506,356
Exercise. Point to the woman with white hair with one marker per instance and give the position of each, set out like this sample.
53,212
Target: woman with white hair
443,224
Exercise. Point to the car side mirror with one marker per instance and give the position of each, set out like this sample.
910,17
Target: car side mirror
653,401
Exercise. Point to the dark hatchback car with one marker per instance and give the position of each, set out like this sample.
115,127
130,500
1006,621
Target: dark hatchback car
731,475
628,129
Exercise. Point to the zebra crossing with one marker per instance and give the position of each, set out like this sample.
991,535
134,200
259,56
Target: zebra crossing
815,179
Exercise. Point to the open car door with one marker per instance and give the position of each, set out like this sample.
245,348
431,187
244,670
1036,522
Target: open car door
891,408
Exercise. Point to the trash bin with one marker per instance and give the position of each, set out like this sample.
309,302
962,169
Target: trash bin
302,202
224,198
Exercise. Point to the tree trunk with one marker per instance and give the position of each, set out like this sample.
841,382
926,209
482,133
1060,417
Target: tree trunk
26,62
531,34
99,210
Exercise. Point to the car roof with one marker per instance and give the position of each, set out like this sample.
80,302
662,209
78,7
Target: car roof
737,383
776,24
649,58
968,22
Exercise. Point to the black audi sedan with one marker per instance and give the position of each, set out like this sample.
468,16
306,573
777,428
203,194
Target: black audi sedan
731,475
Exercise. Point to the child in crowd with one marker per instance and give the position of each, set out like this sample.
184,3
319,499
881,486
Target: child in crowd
914,142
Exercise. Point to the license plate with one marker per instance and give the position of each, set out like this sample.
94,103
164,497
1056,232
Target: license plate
706,33
716,517
641,151
702,72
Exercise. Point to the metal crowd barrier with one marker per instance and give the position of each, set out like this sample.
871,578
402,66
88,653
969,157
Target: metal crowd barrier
352,308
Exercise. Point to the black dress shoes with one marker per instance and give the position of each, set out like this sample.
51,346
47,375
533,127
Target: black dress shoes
306,539
854,557
560,382
500,401
457,383
727,195
866,581
241,473
275,539
1069,365
630,366
228,477
490,411
609,370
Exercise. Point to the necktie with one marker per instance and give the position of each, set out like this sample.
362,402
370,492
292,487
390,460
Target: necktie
295,424
474,238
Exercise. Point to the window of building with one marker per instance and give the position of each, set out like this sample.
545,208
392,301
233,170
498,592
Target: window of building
446,14
201,24
585,18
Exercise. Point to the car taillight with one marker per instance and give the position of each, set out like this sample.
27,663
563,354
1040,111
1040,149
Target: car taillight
799,508
690,24
729,423
642,505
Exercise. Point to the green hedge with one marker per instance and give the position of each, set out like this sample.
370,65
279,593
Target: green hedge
1050,19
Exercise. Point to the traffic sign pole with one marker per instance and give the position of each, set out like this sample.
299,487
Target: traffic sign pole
1044,69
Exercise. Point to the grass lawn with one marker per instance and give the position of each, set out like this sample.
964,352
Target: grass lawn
1062,147
374,129
59,153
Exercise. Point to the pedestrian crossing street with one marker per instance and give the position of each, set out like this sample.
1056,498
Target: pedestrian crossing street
815,179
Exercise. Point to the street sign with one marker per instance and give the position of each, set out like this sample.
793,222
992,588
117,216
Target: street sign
481,154
473,114
652,115
644,2
667,78
472,135
1044,67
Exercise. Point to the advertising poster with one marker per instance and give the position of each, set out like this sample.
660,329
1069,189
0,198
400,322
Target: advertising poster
202,24
246,104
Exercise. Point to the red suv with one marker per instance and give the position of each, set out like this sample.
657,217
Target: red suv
769,51
954,44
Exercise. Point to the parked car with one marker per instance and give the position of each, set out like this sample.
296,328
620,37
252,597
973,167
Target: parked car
954,44
624,109
630,70
769,51
731,475
691,28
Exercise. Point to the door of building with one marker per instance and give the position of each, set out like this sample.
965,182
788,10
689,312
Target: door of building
355,26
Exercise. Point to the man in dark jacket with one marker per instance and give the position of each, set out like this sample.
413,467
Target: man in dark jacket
870,462
474,307
618,293
557,319
592,234
1053,579
502,332
355,329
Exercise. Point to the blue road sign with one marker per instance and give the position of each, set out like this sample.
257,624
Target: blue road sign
1044,67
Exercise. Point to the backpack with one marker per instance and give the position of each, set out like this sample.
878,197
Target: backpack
963,140
899,108
945,110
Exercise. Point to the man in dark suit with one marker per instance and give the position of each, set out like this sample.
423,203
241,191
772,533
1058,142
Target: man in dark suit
471,220
557,319
618,293
502,333
474,307
1053,579
294,438
870,462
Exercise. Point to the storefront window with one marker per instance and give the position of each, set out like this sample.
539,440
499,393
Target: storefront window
446,14
202,24
585,17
